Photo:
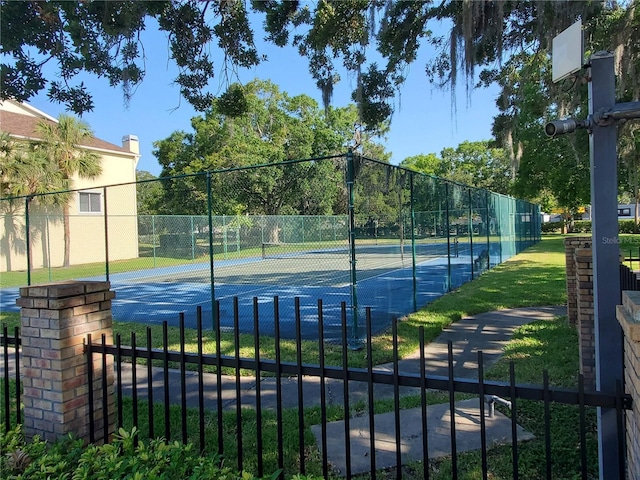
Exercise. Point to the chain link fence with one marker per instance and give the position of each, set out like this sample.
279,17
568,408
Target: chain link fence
342,229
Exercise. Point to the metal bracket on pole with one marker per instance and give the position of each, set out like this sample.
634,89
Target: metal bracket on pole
603,117
620,113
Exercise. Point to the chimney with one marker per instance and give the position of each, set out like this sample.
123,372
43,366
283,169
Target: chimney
130,142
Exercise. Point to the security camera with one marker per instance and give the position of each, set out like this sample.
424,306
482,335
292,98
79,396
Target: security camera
560,127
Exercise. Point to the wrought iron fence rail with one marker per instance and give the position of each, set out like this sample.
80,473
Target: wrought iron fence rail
7,362
434,382
628,279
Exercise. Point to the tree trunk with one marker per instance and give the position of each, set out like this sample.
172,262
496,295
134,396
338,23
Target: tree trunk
274,234
564,222
5,242
67,235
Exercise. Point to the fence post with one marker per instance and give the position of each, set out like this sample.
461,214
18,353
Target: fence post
56,319
413,243
447,226
470,227
571,244
106,236
27,237
352,244
486,225
193,238
224,233
628,315
583,260
499,214
580,304
153,238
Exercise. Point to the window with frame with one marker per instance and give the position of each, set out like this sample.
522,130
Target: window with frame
90,202
624,212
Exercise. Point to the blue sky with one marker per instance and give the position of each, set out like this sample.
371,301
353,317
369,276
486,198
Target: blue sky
423,121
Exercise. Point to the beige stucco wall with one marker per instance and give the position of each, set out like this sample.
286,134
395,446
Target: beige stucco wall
87,230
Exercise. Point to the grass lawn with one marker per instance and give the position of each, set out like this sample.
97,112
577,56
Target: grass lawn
535,277
550,345
44,275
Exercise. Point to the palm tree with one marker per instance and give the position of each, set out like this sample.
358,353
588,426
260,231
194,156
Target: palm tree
24,172
62,142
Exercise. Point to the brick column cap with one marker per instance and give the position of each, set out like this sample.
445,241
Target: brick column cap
576,239
628,315
64,289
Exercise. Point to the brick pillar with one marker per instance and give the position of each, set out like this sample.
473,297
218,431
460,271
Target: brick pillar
570,244
583,261
56,319
628,315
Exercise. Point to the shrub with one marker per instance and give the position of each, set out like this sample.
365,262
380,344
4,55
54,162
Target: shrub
123,458
626,226
552,227
582,226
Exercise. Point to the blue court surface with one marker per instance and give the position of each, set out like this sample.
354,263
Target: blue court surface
157,295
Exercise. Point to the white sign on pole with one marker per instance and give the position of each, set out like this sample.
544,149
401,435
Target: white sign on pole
567,52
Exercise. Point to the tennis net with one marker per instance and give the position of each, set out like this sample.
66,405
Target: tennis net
317,250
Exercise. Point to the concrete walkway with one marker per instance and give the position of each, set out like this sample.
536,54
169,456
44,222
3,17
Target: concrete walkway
489,332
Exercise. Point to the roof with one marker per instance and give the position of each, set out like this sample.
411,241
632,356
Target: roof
24,126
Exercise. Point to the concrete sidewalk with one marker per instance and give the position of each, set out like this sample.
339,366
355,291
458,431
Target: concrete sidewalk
488,332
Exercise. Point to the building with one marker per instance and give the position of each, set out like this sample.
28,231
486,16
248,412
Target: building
88,224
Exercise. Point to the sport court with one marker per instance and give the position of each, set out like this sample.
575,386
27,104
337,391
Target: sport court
307,272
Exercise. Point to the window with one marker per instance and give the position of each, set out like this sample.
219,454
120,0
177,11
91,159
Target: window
90,202
624,212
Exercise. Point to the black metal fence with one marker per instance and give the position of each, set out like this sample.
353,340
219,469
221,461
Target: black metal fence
11,385
628,279
630,256
204,399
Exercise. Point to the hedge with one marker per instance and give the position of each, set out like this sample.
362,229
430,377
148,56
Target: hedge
584,226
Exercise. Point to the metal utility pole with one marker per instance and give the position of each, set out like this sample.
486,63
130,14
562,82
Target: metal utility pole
606,260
